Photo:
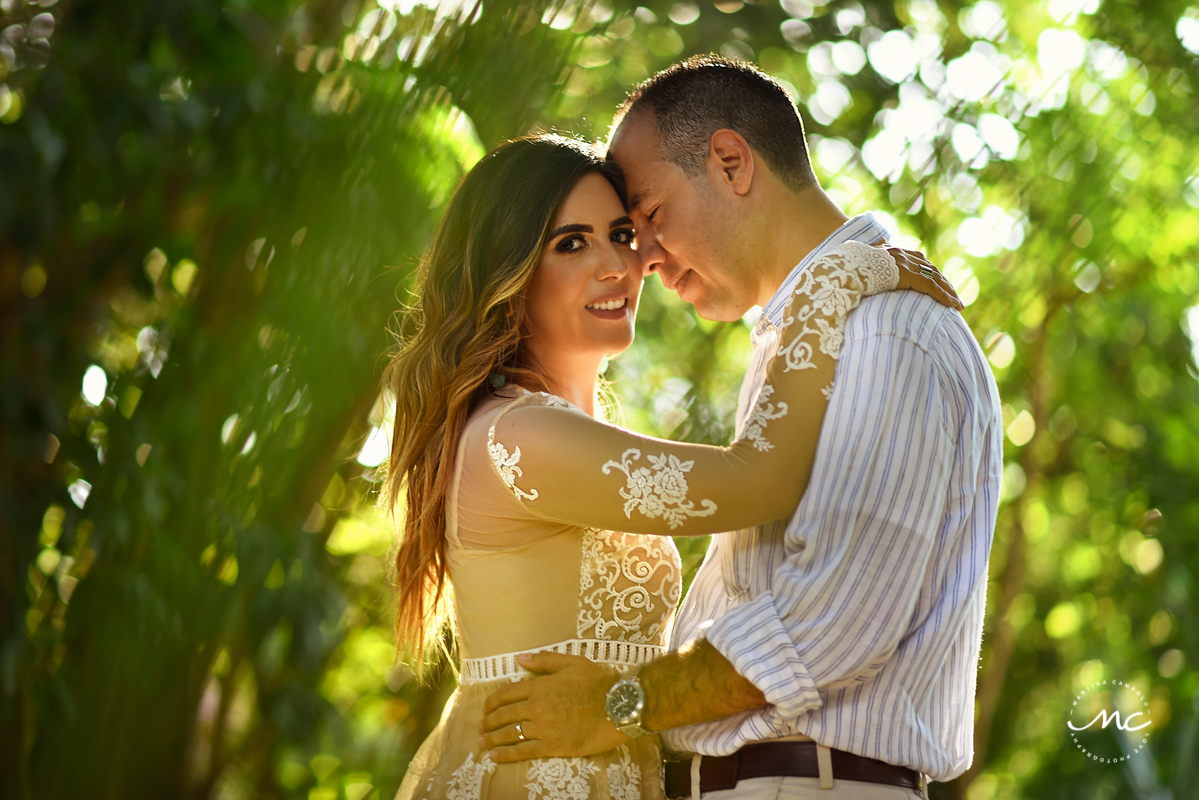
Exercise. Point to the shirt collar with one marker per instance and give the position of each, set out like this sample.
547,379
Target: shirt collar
862,228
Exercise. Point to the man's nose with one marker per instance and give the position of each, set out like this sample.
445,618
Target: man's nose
651,254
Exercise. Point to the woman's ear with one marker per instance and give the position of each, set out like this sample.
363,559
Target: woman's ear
731,157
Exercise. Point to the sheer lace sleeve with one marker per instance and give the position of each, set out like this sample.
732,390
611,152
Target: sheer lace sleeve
562,465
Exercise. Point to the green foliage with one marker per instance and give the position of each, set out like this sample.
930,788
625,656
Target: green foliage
199,203
210,212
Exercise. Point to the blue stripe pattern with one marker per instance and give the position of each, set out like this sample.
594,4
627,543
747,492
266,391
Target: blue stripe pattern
861,617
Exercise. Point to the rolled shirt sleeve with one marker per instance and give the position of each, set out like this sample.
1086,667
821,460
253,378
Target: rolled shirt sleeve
857,549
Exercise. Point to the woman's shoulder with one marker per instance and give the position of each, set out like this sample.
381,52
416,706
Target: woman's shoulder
480,424
493,406
488,515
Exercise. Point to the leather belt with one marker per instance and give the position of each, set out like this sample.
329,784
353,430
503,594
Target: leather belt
781,759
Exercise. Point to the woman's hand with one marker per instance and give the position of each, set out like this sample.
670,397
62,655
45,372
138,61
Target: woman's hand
917,274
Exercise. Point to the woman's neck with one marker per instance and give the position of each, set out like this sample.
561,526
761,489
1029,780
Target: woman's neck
572,379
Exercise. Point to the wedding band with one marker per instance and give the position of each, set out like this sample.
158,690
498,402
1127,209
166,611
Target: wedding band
520,734
927,271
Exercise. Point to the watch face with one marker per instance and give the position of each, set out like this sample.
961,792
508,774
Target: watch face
625,702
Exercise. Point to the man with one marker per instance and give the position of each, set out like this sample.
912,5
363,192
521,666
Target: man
834,652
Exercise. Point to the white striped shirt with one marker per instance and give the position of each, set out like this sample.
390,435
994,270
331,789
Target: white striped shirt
860,618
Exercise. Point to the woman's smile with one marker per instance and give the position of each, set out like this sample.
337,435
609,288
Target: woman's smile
610,307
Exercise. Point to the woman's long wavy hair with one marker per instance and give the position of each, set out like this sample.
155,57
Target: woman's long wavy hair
468,323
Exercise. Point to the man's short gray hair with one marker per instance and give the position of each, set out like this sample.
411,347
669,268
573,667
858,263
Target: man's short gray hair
695,98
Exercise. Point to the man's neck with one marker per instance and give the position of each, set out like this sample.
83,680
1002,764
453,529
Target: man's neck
805,220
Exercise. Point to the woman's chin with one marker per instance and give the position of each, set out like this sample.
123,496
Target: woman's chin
618,347
611,348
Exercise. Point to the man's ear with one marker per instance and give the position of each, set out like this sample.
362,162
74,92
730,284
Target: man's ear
730,156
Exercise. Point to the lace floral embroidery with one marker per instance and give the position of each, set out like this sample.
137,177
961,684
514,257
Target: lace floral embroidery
467,781
560,778
554,401
507,466
764,411
876,267
625,579
659,490
833,287
624,778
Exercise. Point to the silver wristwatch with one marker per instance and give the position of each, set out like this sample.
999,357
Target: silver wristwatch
624,704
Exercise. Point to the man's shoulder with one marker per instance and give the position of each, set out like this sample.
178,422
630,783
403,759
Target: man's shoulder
922,323
906,315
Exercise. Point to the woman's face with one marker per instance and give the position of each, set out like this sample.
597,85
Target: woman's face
584,293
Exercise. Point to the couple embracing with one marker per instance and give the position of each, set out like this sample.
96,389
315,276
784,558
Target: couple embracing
829,643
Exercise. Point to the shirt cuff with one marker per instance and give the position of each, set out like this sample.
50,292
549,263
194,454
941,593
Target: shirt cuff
753,639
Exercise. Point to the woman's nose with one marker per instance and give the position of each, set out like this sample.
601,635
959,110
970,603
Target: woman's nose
616,263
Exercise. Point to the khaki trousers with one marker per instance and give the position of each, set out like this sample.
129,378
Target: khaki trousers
809,789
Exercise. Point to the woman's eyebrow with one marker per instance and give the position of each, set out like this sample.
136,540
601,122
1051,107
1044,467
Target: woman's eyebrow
625,220
575,227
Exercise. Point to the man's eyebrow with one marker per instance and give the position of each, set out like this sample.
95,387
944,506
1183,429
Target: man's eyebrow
625,220
576,227
636,199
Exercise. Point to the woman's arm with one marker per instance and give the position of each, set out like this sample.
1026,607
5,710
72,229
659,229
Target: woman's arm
563,465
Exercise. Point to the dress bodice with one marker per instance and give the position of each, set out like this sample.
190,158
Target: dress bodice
523,582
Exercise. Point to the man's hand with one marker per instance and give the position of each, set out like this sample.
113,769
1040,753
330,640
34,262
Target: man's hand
561,712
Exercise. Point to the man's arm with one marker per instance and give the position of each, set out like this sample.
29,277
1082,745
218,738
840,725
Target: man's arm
839,604
695,684
842,601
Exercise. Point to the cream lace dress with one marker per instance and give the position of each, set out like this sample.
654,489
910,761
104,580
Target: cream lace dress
536,561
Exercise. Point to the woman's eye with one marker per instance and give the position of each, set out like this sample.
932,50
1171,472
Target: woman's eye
623,236
572,244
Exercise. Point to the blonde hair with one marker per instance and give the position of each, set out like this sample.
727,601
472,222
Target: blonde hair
468,324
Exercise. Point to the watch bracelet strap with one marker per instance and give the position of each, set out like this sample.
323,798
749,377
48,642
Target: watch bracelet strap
634,730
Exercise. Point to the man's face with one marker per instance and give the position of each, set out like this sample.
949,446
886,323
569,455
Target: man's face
686,230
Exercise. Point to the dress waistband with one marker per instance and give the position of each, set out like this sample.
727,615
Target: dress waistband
621,654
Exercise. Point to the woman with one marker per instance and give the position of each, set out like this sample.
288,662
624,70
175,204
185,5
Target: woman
550,525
